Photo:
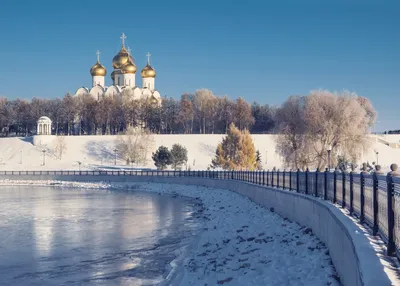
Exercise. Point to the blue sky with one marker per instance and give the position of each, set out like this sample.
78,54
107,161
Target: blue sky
261,50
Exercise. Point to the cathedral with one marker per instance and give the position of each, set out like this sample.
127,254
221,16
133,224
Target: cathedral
123,77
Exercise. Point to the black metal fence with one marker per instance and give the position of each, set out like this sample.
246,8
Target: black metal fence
373,198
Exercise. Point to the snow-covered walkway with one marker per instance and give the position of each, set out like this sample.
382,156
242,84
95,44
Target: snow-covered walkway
241,242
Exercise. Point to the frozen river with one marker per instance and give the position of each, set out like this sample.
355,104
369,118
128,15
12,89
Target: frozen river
54,236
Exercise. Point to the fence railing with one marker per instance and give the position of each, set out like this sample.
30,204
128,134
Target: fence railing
373,198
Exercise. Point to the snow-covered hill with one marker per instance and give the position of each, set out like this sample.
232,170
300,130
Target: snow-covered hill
97,151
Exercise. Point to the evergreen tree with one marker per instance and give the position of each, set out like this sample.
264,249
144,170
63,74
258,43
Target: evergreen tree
258,160
179,156
236,151
162,158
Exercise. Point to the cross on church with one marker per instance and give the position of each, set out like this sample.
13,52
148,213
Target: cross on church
123,37
148,58
98,55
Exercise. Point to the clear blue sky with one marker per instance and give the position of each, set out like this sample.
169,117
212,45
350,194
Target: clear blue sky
261,50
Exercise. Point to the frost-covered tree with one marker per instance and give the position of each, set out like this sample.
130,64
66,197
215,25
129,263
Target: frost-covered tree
60,146
135,145
311,124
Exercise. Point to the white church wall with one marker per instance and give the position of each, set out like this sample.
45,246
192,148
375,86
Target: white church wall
137,93
157,95
148,82
97,92
129,80
98,80
119,79
112,91
82,90
146,93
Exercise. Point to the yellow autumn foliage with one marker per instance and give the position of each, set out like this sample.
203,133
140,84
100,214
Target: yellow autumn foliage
236,151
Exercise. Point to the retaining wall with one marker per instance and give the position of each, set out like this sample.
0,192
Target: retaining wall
352,254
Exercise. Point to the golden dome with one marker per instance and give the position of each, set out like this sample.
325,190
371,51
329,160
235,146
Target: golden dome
98,70
129,67
121,58
148,71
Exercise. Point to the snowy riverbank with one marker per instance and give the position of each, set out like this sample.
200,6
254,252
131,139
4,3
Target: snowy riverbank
241,242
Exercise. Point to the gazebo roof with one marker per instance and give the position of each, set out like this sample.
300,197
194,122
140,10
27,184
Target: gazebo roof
44,119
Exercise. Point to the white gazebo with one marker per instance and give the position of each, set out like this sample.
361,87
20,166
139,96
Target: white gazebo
44,126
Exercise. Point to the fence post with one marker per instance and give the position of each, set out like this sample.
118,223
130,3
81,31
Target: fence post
391,248
272,178
277,178
283,180
316,183
375,203
362,197
326,184
290,179
334,185
263,179
298,181
351,193
267,177
306,192
343,189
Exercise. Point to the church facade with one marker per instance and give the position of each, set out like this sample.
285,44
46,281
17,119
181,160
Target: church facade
123,77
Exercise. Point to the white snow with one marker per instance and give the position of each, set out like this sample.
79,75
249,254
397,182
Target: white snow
97,151
241,242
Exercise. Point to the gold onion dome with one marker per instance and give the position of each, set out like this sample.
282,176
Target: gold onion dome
148,71
98,70
121,58
129,67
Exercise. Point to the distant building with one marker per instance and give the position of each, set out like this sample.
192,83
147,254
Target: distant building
124,78
44,126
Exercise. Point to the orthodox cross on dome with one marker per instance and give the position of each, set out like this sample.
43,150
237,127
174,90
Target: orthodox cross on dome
98,56
123,37
148,58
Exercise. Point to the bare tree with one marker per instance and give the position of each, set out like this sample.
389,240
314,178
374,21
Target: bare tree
205,106
135,145
60,146
243,116
312,124
186,114
225,112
